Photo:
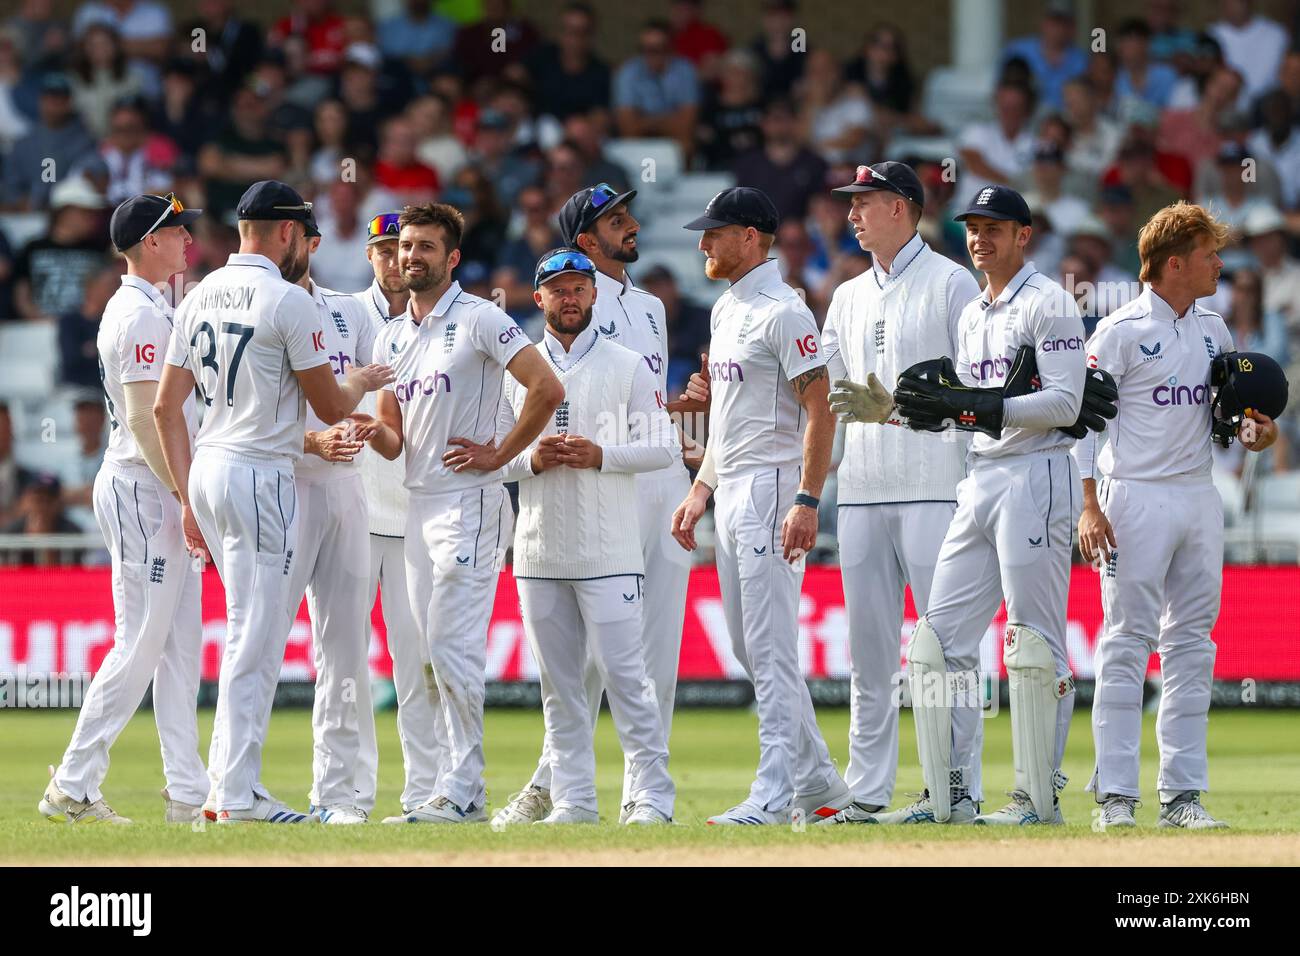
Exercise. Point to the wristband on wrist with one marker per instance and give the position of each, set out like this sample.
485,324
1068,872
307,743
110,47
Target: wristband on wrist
805,499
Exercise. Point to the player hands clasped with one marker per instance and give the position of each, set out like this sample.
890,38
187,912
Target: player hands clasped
1152,519
1018,383
579,579
450,352
234,336
767,465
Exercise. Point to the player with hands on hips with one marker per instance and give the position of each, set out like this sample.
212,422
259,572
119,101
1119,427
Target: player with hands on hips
1152,518
1018,381
770,435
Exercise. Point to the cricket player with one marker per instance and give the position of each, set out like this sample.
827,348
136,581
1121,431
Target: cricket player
332,533
767,465
1010,535
897,487
252,342
1147,491
579,570
598,221
156,593
386,501
450,352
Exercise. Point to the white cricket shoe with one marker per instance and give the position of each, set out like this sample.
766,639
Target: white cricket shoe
824,803
57,807
178,812
854,813
625,811
341,816
264,810
529,805
566,813
1019,812
1117,812
750,814
646,815
441,810
963,811
1187,813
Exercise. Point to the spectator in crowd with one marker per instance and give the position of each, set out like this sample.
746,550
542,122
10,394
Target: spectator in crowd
563,173
51,272
1052,57
1101,73
144,26
437,146
40,511
14,124
495,155
512,100
1079,279
1252,44
42,35
1195,133
398,169
784,168
57,143
1170,41
1046,244
696,39
232,47
657,93
286,115
339,263
567,76
214,242
183,115
1265,235
478,52
780,66
100,77
882,70
999,151
7,311
244,153
1288,83
1278,144
1137,169
1092,242
829,232
794,250
1233,199
834,117
89,421
485,226
358,90
1094,138
513,274
317,31
687,322
418,37
332,140
1195,71
732,117
1140,77
14,478
1063,209
137,162
78,354
1254,327
1116,209
583,133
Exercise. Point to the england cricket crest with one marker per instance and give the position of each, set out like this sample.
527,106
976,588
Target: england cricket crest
449,338
562,416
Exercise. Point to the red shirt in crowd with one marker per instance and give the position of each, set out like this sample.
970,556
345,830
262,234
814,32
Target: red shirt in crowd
326,38
411,178
698,40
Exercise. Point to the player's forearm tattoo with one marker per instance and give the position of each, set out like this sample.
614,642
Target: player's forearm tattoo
801,382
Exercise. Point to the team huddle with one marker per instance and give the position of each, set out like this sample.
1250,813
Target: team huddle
355,444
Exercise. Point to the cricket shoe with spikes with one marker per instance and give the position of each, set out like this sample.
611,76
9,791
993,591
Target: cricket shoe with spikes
179,812
264,810
1186,812
1019,812
1118,812
854,813
564,813
820,804
964,810
645,815
750,814
341,816
57,807
441,810
529,805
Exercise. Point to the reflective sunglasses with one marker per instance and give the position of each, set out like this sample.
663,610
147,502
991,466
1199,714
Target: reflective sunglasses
173,206
385,224
601,193
566,261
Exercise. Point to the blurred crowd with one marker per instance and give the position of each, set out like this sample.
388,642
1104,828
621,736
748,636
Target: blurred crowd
365,114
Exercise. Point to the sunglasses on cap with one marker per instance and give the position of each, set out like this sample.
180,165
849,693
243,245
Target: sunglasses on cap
601,193
567,261
173,206
866,174
385,224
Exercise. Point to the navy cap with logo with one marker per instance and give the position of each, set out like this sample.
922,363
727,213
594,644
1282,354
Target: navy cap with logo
891,177
141,215
998,202
273,200
580,212
738,206
562,260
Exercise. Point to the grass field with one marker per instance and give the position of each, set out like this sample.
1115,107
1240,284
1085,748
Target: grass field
1254,762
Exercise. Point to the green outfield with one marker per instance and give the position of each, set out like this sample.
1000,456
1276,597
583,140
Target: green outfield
1254,763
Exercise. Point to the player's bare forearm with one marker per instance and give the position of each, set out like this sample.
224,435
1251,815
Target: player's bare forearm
388,414
812,389
1090,495
173,434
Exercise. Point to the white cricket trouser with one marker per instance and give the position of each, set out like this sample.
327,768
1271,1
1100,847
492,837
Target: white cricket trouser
760,597
247,511
883,548
455,548
667,575
1159,593
331,563
418,715
158,636
569,623
1009,538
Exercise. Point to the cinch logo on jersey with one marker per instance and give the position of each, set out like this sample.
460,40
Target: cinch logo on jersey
227,297
656,363
996,367
1175,394
429,385
726,372
1062,345
509,334
341,363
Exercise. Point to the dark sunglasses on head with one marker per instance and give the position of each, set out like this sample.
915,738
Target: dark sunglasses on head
601,194
567,261
173,206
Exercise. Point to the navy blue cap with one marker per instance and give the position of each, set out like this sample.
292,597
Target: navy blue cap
273,200
57,83
999,202
738,206
580,212
141,215
562,260
892,177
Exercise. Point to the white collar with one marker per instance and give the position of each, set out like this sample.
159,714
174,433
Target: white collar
148,289
1159,308
763,276
380,302
443,304
902,259
252,259
580,347
1012,287
608,285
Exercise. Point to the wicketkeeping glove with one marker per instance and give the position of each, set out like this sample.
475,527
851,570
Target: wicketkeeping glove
1099,396
861,403
931,397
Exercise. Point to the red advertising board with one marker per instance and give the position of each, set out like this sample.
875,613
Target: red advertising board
61,621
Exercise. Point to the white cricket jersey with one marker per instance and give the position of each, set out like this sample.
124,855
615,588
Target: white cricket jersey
763,336
349,341
1031,310
1161,363
449,366
243,332
132,344
386,497
884,322
635,319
